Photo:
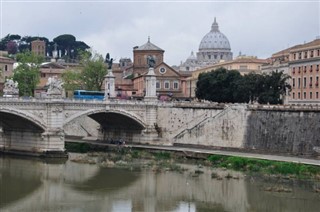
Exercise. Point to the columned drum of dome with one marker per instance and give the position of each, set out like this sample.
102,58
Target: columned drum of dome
214,47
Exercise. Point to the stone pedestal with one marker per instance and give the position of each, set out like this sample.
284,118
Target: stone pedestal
109,87
151,86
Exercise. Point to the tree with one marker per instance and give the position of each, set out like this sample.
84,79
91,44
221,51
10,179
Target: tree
251,86
94,70
275,88
27,74
3,42
91,75
222,85
218,86
65,42
72,80
12,47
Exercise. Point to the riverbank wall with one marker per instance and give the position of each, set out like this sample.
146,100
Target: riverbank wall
280,129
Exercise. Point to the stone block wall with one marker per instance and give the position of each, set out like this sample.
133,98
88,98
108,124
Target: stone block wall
290,131
295,132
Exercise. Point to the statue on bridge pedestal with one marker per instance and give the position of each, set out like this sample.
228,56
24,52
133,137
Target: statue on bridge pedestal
151,61
10,88
55,88
109,61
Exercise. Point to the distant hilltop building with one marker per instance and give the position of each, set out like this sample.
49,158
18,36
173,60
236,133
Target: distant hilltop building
214,47
38,47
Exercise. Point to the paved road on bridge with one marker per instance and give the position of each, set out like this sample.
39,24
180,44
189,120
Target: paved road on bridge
219,152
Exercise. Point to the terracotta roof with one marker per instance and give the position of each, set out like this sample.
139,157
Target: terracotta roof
185,73
6,59
285,51
148,46
314,43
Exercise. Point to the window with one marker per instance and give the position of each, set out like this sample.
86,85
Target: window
318,52
305,55
209,56
293,82
311,53
175,85
166,84
293,70
310,95
162,70
317,81
317,69
311,68
305,69
243,67
310,82
215,56
43,75
158,85
300,55
293,95
299,82
221,56
304,82
6,67
294,56
298,95
317,95
299,70
304,95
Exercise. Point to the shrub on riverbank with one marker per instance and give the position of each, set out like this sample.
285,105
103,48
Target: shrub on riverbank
265,166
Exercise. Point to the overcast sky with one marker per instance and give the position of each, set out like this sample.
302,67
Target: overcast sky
258,28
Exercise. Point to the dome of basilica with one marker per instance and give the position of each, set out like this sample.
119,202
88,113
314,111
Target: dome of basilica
214,39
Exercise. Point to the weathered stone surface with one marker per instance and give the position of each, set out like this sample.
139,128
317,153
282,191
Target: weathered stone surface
44,124
281,131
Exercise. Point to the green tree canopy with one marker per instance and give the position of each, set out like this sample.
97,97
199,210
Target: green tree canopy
224,85
67,44
218,86
91,75
27,74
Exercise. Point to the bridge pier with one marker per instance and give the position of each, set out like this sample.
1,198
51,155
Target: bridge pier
150,134
49,144
53,143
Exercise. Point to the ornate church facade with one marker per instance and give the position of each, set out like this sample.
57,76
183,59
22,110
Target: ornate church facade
214,47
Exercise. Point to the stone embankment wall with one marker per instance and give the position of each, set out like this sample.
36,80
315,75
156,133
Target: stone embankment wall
272,129
288,130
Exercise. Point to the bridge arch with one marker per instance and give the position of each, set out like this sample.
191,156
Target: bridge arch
93,114
7,114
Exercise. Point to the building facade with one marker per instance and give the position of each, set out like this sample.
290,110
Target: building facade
278,62
6,70
38,47
304,68
169,82
214,47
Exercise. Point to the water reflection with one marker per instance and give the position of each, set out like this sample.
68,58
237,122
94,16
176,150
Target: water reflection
33,185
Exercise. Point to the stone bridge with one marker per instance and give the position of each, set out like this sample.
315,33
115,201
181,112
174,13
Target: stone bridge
41,126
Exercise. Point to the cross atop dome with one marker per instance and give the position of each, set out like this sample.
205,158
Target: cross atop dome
215,26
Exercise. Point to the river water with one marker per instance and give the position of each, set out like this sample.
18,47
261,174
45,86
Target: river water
28,184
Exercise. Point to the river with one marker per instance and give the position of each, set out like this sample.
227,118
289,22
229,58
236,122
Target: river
30,184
